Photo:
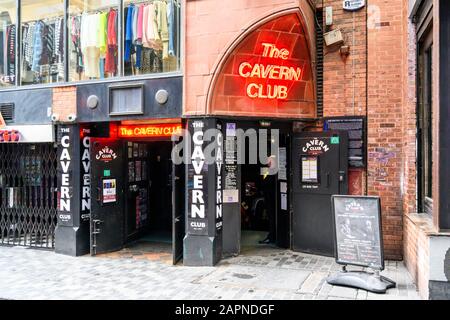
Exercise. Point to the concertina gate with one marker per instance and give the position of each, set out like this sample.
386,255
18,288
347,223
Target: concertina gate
28,194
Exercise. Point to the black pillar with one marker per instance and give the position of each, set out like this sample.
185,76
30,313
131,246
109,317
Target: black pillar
203,241
72,230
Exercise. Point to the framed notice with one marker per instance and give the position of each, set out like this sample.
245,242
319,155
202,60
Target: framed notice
109,193
310,169
357,228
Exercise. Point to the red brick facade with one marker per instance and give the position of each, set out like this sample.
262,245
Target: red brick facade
64,102
376,79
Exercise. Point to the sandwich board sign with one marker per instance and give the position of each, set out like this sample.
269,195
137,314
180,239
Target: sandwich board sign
358,242
357,223
353,5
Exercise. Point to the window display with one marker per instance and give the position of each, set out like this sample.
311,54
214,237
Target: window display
93,38
42,41
150,36
77,40
7,43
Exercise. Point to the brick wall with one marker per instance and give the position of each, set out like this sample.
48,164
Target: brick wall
211,28
385,116
416,251
64,102
369,82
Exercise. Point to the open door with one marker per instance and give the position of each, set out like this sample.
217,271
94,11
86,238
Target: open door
178,205
107,194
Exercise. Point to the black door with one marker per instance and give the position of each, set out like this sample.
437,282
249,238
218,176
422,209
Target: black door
107,188
178,216
319,165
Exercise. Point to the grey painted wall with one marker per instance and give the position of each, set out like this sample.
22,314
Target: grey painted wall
31,106
171,109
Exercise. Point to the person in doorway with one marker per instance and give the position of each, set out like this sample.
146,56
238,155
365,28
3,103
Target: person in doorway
268,188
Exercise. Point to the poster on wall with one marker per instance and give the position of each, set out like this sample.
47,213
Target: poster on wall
357,222
282,163
109,193
355,126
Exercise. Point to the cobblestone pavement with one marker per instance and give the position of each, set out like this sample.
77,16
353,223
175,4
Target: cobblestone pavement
262,273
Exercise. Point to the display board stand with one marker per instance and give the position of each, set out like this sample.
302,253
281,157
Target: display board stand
373,282
358,242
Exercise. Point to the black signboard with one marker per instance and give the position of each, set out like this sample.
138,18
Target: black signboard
357,226
355,126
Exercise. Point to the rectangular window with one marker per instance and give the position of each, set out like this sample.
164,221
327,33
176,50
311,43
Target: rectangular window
425,122
151,36
8,28
93,39
42,49
78,40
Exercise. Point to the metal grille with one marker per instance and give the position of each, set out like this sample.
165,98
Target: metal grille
319,61
7,111
28,195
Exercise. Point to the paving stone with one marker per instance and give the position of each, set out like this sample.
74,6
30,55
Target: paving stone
274,274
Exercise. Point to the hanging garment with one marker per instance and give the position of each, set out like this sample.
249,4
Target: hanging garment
90,45
110,61
38,45
134,24
11,56
140,24
162,28
150,28
49,48
129,33
102,33
172,24
77,55
2,51
29,42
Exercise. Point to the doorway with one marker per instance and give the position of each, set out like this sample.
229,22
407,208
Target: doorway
258,195
148,205
139,197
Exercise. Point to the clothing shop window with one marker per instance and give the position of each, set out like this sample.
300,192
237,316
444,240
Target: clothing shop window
8,29
151,36
42,47
93,39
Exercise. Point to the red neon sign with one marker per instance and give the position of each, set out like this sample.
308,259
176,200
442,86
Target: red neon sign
269,71
149,130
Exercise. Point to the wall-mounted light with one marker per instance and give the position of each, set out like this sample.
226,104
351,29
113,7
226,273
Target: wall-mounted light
92,102
162,96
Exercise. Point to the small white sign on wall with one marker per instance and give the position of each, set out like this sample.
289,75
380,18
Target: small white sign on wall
352,5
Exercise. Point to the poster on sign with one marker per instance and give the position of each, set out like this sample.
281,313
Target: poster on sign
357,222
109,190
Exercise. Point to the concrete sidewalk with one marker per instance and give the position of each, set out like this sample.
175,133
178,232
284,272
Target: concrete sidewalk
261,273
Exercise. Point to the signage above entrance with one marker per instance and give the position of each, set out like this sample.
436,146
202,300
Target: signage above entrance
149,130
268,74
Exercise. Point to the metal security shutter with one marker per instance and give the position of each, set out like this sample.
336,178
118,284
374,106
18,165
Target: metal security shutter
319,61
28,194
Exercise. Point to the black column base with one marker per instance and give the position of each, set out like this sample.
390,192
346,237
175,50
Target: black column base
201,251
72,241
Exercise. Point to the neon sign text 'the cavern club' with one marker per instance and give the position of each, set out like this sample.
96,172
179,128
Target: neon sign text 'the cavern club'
275,72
